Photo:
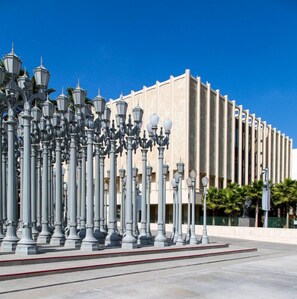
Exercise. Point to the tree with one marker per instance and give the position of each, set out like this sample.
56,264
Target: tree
232,200
254,192
285,194
213,201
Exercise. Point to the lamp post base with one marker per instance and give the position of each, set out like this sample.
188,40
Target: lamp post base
160,241
204,240
72,243
44,238
112,240
100,236
193,240
180,243
143,239
89,245
57,240
9,245
26,249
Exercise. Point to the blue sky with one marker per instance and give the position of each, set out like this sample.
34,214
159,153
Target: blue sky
247,49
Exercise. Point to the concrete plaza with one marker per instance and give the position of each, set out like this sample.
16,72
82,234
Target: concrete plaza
269,272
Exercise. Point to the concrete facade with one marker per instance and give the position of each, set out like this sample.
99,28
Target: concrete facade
210,134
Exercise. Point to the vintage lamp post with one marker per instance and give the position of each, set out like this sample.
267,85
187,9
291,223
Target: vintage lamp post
204,239
162,141
193,239
149,171
73,240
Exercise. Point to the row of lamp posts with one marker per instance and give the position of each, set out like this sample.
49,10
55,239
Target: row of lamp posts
71,136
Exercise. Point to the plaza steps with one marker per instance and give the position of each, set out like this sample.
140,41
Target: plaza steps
57,260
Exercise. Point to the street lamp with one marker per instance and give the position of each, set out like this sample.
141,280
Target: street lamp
79,95
122,173
145,145
134,175
204,239
149,170
193,239
162,141
189,184
266,195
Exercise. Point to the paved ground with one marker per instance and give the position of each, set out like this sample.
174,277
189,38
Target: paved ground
271,272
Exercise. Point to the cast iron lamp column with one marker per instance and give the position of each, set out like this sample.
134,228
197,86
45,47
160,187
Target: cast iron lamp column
35,135
129,241
189,184
12,65
162,142
90,243
145,145
165,171
134,175
58,237
193,239
122,173
174,187
149,171
74,241
46,135
204,238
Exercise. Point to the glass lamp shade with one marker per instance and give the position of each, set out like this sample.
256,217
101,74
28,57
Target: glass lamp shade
2,75
180,167
122,107
165,169
137,114
149,128
118,120
205,181
41,75
62,102
154,119
106,114
193,174
36,113
149,170
79,96
189,182
70,114
167,125
12,63
47,109
99,104
55,119
134,171
122,172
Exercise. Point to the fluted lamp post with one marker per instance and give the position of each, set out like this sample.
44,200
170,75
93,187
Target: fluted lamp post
12,64
58,237
204,238
162,141
131,131
193,238
47,134
122,173
189,184
73,240
149,171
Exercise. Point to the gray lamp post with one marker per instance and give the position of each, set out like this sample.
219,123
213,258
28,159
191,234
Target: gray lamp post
162,141
189,184
100,152
73,241
12,65
174,187
165,171
145,145
46,135
134,175
149,171
204,239
58,237
122,173
90,243
131,131
35,135
178,179
193,239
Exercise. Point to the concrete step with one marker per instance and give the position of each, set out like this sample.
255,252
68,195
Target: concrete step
115,259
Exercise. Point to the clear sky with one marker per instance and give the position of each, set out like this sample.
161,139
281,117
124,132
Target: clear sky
247,49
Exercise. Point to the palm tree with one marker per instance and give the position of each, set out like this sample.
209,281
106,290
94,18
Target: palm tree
254,192
232,200
285,194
